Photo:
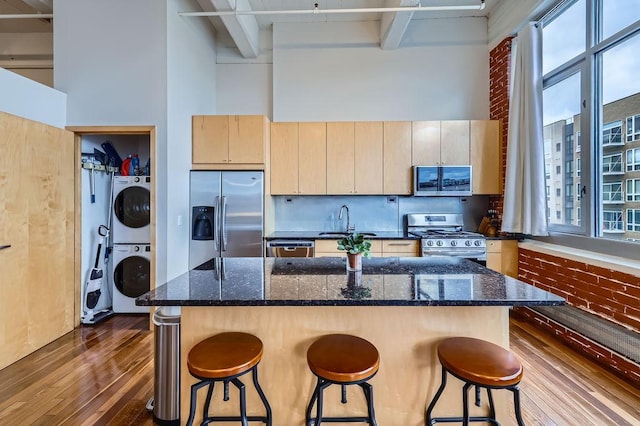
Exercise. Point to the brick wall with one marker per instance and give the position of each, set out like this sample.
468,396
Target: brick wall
604,292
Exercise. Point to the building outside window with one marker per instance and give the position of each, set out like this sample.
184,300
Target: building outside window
591,88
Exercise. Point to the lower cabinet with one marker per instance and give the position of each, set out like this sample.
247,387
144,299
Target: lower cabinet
502,256
379,248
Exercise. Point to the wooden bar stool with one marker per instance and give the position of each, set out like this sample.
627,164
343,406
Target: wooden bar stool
223,358
483,365
343,360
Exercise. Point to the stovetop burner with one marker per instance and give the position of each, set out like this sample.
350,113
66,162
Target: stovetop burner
443,233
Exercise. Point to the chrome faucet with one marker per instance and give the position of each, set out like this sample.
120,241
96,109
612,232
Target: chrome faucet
350,228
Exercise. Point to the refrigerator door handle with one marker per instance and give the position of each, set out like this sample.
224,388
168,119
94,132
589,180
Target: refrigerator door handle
216,234
223,224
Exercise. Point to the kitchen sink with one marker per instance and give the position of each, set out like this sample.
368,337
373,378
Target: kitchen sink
342,234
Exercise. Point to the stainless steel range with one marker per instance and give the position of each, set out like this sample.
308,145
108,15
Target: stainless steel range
442,234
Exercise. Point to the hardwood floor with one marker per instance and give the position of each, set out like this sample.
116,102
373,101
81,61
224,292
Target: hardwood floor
103,375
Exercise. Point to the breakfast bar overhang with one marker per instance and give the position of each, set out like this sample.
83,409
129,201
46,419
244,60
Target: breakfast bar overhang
404,306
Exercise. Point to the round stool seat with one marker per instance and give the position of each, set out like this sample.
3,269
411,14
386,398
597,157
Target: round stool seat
343,358
224,355
481,362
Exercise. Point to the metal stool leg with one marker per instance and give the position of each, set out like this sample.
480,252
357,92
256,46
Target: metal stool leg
492,408
443,384
194,398
262,396
516,403
207,401
368,394
243,401
465,404
314,397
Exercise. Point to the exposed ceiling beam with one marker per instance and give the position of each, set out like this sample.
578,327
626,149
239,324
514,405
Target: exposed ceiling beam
243,29
394,24
42,6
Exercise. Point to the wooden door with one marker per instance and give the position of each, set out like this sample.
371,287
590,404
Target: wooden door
37,219
247,139
454,143
340,158
397,157
368,161
284,158
425,143
486,156
312,158
210,139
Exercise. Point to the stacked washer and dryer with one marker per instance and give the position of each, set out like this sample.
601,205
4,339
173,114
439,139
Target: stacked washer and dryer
131,238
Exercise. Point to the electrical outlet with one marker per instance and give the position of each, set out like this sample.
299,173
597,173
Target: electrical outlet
392,200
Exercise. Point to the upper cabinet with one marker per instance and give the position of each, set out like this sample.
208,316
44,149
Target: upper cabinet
368,159
229,140
440,143
397,157
284,158
486,156
341,151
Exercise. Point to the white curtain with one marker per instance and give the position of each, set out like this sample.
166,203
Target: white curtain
525,200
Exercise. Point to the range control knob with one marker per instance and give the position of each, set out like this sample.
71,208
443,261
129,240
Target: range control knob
439,242
477,243
467,243
429,243
454,243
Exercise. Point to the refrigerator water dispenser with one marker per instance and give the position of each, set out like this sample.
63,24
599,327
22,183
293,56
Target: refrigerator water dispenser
202,223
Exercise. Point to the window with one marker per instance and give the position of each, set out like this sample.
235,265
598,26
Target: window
558,147
633,189
557,192
558,215
612,164
633,159
612,133
612,221
633,128
612,192
633,220
591,88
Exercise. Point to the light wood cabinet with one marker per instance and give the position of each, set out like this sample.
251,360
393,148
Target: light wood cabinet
312,158
502,256
284,158
440,143
340,156
368,158
400,248
486,156
229,140
329,248
397,157
37,211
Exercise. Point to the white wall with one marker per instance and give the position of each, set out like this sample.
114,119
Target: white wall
337,71
191,89
26,98
110,59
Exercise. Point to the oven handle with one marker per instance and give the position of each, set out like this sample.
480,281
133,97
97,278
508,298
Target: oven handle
472,254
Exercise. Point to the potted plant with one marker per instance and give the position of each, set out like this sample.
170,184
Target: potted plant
356,247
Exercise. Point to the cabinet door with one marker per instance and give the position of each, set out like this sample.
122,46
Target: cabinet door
400,248
247,139
454,143
425,143
486,156
397,157
340,157
312,158
210,139
368,157
284,158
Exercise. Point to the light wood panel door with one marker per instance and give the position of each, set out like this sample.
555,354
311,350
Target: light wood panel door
210,139
340,155
502,256
454,143
312,158
486,156
368,161
284,158
397,157
247,139
37,214
425,143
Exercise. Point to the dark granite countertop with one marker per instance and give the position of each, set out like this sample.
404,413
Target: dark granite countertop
420,281
322,235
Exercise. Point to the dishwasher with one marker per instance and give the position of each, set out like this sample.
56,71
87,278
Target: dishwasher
290,248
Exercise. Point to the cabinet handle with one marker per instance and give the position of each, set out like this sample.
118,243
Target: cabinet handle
5,247
399,244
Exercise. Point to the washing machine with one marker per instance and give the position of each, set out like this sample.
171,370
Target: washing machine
131,210
130,276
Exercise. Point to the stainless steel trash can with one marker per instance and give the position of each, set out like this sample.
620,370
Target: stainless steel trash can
166,387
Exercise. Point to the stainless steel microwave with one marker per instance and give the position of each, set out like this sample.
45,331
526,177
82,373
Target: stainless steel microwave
442,180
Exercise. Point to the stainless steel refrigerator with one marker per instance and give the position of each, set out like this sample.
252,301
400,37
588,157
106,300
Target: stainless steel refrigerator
226,215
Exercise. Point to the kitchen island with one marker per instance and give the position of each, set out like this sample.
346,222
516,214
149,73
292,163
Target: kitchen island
404,306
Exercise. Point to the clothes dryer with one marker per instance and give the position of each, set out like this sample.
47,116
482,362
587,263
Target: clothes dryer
130,275
131,210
